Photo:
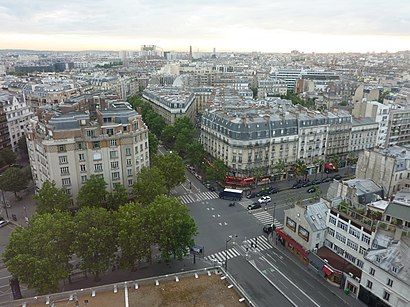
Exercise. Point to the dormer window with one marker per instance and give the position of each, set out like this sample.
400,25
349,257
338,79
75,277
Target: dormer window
378,258
394,269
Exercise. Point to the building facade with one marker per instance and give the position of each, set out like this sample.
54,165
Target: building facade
68,148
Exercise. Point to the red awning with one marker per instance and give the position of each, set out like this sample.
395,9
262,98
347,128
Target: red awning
291,241
327,270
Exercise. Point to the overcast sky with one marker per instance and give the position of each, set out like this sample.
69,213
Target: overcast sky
258,25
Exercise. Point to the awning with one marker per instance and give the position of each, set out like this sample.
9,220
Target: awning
291,241
327,270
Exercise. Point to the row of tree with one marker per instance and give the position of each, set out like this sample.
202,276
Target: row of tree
39,255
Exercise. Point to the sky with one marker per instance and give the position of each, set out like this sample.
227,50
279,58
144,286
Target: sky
258,25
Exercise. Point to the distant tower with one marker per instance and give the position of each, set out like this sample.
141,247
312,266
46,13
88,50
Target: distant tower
190,52
214,54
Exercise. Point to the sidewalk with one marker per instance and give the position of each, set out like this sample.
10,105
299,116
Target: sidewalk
349,300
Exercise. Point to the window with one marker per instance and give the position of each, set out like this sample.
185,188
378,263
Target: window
332,220
64,170
354,232
352,244
114,165
129,162
128,151
362,250
130,182
61,148
360,263
146,145
62,159
331,232
80,146
129,172
68,191
369,284
340,237
81,157
66,181
372,271
342,225
83,178
389,282
386,295
96,145
82,168
98,167
290,223
303,233
113,154
113,143
365,239
115,175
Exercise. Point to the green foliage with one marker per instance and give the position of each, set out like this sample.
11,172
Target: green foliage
184,137
153,144
92,193
335,160
112,64
134,235
95,229
172,168
171,226
195,153
50,199
13,180
39,254
309,103
217,171
150,183
7,156
22,145
117,198
168,137
300,167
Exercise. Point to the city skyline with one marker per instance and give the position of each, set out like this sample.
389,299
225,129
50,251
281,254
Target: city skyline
280,26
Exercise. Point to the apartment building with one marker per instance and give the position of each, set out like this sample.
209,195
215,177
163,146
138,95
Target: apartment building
364,134
271,87
398,132
389,168
110,142
18,115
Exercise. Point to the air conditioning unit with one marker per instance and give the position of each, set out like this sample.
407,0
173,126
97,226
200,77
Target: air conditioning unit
358,279
350,274
315,250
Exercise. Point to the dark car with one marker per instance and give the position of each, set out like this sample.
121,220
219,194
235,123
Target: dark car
317,181
297,185
307,184
273,190
268,228
251,195
327,179
313,189
262,193
337,177
254,206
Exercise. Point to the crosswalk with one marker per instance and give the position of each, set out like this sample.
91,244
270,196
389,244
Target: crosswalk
264,217
222,256
259,243
192,198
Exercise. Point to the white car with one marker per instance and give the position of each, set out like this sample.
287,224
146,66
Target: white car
264,199
3,223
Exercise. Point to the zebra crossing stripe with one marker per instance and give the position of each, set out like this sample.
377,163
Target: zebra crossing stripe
261,242
221,256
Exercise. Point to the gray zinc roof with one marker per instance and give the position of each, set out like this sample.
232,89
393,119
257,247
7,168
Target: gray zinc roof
316,216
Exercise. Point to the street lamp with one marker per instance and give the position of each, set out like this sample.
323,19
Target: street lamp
226,250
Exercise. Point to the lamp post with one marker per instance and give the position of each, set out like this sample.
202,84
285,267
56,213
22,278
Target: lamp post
226,250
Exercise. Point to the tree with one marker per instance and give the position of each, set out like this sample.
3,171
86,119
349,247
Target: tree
182,123
171,226
183,138
168,137
335,160
134,235
280,167
39,254
117,198
153,144
172,168
50,199
301,167
13,180
150,183
8,156
22,145
92,193
195,153
216,171
94,240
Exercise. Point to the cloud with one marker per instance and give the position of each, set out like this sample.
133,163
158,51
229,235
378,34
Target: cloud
211,21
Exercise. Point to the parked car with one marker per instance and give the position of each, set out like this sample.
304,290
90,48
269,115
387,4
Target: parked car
327,179
210,187
313,189
337,177
268,228
264,199
297,185
262,193
3,222
273,190
307,184
317,181
254,206
251,195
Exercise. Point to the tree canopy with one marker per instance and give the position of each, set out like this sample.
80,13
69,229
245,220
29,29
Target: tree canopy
173,229
149,184
39,254
172,168
7,156
117,198
50,199
13,180
92,193
216,171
